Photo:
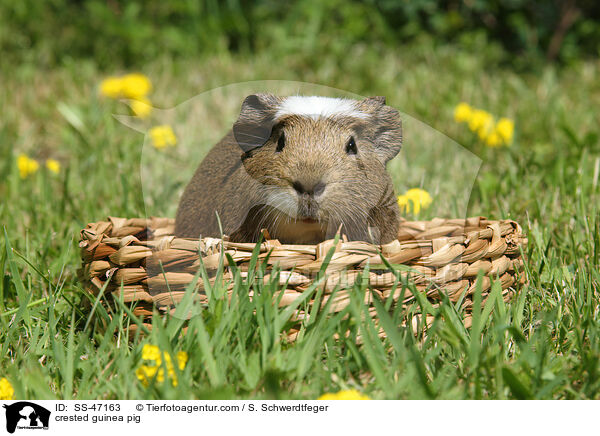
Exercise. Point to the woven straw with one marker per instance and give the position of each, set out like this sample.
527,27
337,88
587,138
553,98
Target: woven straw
140,261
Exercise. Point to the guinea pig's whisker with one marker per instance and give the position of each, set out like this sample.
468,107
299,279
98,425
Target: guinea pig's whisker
337,218
267,217
354,222
280,207
287,205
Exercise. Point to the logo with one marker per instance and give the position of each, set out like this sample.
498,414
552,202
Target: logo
26,415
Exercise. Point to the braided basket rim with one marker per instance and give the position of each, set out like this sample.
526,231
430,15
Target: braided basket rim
139,259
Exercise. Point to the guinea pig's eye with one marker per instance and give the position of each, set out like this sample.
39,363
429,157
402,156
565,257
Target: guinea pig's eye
280,143
351,146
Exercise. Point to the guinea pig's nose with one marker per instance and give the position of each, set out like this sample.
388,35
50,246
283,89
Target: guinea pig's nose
314,190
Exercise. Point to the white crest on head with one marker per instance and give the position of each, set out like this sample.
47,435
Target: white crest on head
315,107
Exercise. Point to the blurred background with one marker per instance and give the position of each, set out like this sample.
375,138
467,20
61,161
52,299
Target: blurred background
131,33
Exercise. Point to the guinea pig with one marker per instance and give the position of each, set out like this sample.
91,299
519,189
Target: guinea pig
303,168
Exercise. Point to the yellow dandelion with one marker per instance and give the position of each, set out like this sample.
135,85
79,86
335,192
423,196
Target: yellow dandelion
53,165
462,112
6,390
480,122
414,199
505,128
163,136
182,358
26,165
146,373
403,202
141,108
485,131
151,352
136,86
351,394
420,199
111,87
493,139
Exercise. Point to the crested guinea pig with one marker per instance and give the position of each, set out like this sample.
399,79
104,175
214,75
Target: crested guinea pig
303,168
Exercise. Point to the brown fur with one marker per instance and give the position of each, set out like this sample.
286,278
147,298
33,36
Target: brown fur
251,186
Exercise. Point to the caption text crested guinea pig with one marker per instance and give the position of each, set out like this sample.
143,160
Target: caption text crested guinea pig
302,168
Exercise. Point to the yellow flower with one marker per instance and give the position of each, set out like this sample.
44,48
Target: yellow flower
182,358
163,136
493,139
505,128
145,373
53,165
481,122
26,165
485,131
351,394
136,86
6,390
403,202
462,112
112,87
416,198
420,198
151,352
141,107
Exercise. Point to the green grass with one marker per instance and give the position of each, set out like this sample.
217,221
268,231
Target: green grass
543,344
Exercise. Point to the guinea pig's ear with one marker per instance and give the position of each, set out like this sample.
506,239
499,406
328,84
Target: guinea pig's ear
253,127
387,127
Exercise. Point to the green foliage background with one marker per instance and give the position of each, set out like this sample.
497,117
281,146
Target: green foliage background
134,32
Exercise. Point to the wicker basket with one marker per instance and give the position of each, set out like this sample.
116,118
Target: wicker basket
140,261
